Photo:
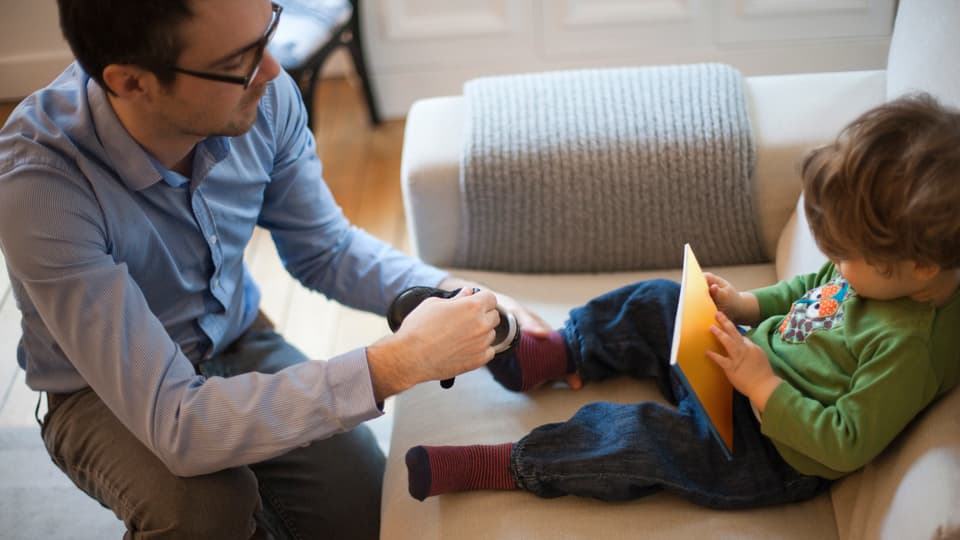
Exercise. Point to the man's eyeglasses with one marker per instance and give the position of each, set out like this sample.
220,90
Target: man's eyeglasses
260,47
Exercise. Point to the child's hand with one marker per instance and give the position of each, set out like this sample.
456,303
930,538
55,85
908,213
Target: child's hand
744,363
742,308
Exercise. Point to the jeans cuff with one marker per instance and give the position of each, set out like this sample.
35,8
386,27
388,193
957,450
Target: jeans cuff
524,480
571,338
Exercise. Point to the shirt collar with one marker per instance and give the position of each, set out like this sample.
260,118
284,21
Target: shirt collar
129,159
136,167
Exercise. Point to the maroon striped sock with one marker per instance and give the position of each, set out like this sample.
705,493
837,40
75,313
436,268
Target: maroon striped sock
533,361
434,470
542,359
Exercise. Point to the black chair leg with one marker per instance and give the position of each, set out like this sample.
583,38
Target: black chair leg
360,65
309,92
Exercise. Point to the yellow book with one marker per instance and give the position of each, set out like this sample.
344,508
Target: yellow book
692,339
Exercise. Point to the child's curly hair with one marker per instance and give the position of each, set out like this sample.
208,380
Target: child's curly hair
888,189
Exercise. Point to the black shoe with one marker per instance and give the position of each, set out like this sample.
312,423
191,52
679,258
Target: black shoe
507,331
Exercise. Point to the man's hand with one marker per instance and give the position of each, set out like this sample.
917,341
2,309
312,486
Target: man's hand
745,364
439,339
742,308
529,321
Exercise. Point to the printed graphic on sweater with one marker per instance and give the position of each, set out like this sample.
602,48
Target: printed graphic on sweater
819,309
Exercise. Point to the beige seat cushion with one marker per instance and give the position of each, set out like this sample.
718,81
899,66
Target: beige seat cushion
478,410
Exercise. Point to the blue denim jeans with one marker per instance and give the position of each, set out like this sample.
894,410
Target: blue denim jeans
614,451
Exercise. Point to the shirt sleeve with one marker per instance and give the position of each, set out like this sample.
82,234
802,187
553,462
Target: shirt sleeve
96,317
317,244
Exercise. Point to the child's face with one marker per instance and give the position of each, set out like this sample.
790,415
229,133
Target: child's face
872,282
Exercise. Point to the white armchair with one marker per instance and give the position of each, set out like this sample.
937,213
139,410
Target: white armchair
911,491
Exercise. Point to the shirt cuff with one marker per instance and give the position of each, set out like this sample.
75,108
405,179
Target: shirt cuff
350,384
766,300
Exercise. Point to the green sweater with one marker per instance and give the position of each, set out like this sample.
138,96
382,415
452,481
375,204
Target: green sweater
855,370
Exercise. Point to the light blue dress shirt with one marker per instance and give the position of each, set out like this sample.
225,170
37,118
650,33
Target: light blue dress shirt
127,274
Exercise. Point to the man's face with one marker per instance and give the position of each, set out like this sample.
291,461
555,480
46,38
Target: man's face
221,38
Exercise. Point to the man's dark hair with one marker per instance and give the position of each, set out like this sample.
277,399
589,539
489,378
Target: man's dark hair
144,33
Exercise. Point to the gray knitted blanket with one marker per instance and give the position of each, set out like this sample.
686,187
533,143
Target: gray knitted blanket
608,170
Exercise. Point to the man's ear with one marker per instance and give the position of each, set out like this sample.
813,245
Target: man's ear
129,82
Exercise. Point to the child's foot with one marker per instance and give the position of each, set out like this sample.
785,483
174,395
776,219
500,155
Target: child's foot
434,470
534,361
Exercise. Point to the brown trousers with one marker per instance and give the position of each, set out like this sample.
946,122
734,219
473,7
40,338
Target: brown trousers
329,489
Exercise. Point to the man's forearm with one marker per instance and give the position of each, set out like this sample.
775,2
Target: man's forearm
386,374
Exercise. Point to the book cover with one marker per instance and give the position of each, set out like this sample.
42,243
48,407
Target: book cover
692,339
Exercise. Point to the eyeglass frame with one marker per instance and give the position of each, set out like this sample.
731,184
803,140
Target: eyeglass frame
261,48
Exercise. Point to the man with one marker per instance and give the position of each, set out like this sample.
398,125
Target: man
128,189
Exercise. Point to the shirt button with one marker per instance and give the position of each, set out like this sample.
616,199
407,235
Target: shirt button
216,282
213,239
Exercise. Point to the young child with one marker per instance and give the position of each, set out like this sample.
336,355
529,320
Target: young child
835,364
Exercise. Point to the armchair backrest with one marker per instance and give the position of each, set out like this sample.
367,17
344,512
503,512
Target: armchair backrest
924,50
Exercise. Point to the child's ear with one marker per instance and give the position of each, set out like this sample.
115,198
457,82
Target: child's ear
925,271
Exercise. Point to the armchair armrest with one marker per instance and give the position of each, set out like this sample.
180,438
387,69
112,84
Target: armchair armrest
430,177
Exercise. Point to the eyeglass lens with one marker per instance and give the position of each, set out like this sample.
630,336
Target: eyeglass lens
262,46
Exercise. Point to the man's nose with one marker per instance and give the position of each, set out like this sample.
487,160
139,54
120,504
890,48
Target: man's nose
269,68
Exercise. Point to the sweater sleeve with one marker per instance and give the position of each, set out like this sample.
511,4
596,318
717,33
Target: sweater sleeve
831,439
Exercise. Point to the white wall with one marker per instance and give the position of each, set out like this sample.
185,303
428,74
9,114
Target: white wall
420,48
32,52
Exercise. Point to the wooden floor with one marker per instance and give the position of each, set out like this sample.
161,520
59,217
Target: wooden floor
362,167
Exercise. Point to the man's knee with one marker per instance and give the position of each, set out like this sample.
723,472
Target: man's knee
213,506
107,462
